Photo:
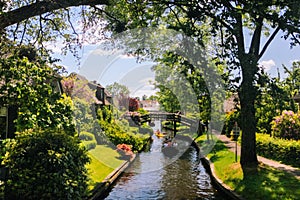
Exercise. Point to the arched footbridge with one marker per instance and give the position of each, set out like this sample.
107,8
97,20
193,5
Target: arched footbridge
194,124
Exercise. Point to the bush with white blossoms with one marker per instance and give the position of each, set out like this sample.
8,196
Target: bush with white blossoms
287,125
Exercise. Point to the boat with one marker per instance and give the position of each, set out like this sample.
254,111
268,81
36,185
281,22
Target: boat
160,134
169,148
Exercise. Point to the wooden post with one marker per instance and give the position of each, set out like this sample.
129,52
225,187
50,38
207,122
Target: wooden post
174,117
236,133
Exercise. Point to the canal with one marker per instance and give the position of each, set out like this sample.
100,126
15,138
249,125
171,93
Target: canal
155,176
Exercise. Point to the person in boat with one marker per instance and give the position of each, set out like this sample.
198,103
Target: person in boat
174,143
168,142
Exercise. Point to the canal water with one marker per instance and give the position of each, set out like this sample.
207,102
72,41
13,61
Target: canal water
154,176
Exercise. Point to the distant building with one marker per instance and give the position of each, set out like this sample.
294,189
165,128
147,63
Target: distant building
231,103
150,105
101,96
9,113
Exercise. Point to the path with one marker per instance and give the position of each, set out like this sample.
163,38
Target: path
231,145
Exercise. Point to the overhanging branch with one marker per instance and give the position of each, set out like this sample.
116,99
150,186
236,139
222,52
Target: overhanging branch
268,42
41,7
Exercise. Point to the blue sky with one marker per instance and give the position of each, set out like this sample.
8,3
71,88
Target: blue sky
107,67
279,53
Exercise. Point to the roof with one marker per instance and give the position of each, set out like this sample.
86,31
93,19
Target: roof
230,103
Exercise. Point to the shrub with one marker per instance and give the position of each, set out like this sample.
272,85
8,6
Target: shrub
86,136
91,144
286,126
46,165
145,129
88,139
287,151
117,135
230,119
142,111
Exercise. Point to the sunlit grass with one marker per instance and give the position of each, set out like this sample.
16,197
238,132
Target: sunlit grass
268,184
104,160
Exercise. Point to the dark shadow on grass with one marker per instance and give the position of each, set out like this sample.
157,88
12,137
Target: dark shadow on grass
269,184
219,146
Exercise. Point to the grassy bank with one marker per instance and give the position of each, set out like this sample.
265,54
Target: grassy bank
268,184
104,160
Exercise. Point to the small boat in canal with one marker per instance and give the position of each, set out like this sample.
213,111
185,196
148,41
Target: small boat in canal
169,148
160,134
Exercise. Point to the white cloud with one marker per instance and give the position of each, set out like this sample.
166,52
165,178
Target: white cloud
267,64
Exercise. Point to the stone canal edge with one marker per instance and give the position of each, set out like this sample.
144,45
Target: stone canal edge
102,187
218,183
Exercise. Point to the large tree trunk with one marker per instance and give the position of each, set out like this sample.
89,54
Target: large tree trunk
247,96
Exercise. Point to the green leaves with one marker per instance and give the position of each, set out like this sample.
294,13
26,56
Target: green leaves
46,165
286,151
31,87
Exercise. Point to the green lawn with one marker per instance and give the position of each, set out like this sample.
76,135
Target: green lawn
103,161
268,184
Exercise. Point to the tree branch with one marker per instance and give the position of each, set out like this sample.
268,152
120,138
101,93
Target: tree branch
41,7
24,31
268,42
106,13
69,20
255,42
295,38
54,24
240,35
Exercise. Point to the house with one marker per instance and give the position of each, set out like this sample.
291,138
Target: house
149,105
7,116
231,103
103,97
99,96
9,113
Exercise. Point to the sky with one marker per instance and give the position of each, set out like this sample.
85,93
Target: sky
107,67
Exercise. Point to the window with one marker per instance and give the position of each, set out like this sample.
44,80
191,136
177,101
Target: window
3,123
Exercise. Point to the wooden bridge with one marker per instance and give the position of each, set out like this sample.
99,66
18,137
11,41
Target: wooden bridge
165,116
173,116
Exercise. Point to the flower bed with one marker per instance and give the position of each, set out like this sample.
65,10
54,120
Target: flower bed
125,151
287,125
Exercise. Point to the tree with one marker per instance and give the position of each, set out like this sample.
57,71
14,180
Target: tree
275,96
229,23
144,97
133,104
182,86
153,98
292,81
31,87
120,94
41,22
117,89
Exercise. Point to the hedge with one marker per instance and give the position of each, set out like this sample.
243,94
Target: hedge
88,139
91,144
285,151
86,136
145,129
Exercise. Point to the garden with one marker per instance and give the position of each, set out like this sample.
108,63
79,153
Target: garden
59,149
